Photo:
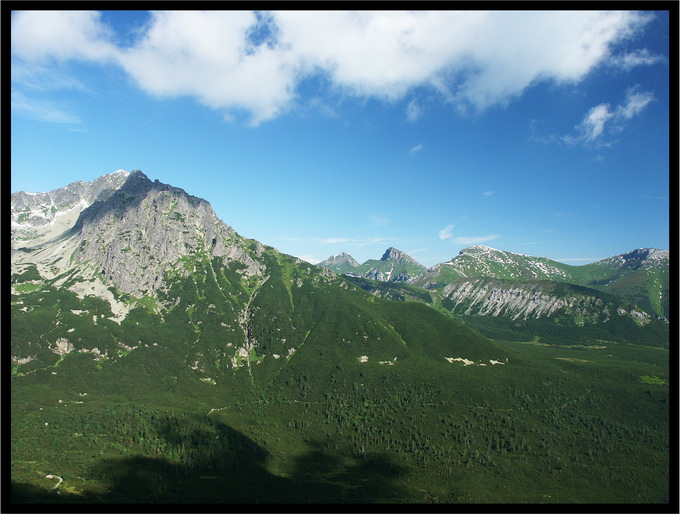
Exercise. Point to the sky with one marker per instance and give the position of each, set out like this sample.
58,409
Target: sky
541,132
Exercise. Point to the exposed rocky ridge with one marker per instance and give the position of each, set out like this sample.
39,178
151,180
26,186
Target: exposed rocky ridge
38,217
638,258
524,300
340,263
133,234
640,275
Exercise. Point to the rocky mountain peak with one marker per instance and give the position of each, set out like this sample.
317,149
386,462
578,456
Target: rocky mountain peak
392,253
39,217
131,231
639,258
481,251
342,258
641,255
340,263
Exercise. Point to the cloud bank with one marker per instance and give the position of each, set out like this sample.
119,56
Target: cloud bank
255,61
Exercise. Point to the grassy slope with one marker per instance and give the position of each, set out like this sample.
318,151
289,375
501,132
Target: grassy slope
323,426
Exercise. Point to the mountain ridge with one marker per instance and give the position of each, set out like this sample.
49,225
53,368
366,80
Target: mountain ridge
393,266
640,275
148,244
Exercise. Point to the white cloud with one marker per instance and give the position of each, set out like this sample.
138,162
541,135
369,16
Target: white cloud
413,111
61,35
416,148
592,125
596,119
474,240
254,62
488,193
588,260
43,110
379,221
35,77
207,55
639,57
635,103
310,259
446,232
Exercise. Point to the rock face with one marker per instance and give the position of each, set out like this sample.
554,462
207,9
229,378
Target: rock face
340,263
640,275
395,255
38,217
393,266
639,258
526,300
134,231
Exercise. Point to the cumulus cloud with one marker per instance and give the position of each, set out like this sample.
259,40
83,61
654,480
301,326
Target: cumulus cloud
446,232
61,35
474,240
249,61
208,55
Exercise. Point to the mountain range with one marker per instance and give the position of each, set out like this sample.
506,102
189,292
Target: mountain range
160,357
640,276
137,243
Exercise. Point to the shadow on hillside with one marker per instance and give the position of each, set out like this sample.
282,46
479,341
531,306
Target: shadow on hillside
232,471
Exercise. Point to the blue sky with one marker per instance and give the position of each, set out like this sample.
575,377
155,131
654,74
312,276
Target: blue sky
543,133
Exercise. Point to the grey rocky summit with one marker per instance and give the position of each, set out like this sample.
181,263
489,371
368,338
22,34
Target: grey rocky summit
130,231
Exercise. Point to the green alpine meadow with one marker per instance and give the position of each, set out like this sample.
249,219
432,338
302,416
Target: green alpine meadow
157,356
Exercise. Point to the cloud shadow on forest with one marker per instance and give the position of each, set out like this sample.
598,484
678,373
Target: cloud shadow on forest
232,471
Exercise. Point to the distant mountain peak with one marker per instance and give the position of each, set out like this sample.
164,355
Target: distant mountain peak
645,253
341,263
342,255
393,266
478,248
485,250
392,253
